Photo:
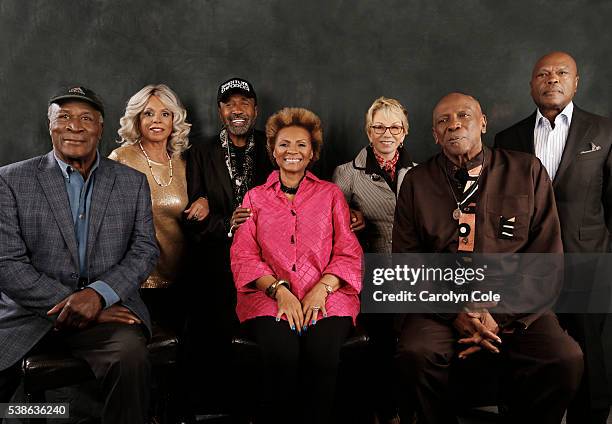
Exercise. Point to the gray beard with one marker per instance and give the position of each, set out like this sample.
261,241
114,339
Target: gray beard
238,130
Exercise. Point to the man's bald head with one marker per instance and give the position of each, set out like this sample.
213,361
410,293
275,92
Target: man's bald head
458,123
554,81
460,97
556,57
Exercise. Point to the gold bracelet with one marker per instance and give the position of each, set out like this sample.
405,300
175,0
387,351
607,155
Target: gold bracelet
271,289
283,283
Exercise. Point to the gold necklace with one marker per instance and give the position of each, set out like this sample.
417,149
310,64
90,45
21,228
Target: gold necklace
151,168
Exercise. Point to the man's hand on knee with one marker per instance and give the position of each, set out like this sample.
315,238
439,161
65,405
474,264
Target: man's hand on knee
77,310
119,314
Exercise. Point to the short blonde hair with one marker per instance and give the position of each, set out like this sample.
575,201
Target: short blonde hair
295,117
388,106
130,122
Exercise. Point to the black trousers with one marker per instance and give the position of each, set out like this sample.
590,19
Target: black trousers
379,370
299,371
206,344
118,357
539,369
592,402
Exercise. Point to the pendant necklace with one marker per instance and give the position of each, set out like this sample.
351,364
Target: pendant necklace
474,188
144,152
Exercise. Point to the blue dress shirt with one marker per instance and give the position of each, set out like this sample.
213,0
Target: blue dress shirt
79,194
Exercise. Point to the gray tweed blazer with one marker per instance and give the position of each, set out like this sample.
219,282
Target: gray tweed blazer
369,193
39,263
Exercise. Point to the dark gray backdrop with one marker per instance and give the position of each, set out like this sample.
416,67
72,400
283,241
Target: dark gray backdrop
332,56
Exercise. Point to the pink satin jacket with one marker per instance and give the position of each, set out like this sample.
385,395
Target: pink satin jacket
297,241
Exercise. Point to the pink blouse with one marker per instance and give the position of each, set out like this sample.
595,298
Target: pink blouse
297,241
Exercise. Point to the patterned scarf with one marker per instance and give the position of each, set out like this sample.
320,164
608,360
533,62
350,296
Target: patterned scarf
241,182
387,165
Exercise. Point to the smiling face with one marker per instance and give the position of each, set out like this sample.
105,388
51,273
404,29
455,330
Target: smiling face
75,128
293,150
387,143
238,114
155,122
458,123
554,82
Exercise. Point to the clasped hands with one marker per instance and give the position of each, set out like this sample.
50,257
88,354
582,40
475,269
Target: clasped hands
84,307
301,314
478,330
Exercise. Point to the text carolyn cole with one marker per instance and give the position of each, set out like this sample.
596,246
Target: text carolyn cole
426,296
412,275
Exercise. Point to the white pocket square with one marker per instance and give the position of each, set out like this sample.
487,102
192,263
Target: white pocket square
594,148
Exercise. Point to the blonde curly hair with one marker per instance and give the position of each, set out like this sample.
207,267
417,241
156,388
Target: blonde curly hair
130,122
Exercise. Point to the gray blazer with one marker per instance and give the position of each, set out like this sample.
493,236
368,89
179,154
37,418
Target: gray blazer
368,192
39,263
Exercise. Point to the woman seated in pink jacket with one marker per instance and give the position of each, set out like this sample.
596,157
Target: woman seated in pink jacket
297,269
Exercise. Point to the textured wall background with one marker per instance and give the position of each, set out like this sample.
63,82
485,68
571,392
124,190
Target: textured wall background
332,56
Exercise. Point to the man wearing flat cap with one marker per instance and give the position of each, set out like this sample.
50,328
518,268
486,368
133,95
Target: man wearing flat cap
219,173
76,241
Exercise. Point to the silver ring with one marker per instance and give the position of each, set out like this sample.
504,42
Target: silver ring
195,215
315,308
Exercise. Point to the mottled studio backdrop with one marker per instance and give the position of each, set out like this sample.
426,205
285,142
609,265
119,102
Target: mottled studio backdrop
332,56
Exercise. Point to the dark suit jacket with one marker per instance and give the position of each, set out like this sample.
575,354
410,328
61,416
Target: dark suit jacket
583,183
207,176
39,263
209,278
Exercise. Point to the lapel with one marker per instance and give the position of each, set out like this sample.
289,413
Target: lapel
103,186
53,185
400,178
222,172
578,132
525,134
366,162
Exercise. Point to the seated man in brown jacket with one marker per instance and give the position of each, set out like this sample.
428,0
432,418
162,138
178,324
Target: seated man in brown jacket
541,365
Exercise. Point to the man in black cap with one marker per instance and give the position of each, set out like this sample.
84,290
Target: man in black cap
219,173
76,241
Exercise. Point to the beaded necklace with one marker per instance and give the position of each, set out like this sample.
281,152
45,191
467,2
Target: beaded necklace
290,190
151,168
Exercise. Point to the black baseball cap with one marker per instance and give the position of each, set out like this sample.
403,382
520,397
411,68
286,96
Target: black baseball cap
78,93
236,86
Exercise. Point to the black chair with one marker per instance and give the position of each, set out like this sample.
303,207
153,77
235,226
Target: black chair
46,371
247,360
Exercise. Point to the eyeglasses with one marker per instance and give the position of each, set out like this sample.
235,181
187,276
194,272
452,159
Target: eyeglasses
381,129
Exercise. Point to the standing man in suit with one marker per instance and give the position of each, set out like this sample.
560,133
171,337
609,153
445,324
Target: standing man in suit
576,148
76,241
219,173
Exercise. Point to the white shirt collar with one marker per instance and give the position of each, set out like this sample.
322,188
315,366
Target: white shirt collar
567,112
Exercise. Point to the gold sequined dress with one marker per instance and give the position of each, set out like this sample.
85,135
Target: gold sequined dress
168,206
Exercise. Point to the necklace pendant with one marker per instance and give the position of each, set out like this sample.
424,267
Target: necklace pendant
457,214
